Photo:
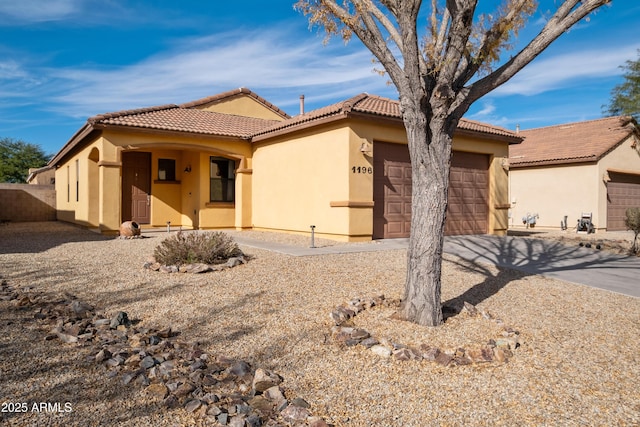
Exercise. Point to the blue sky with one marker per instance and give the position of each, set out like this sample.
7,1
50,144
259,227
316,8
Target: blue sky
62,61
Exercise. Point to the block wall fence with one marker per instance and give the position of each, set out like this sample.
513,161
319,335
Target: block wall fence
27,203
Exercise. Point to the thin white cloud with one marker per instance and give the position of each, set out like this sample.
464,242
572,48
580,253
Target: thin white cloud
488,113
265,60
567,70
39,10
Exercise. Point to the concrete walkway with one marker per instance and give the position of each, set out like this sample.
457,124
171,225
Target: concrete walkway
574,264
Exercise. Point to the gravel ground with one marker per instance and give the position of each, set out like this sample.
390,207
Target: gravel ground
578,365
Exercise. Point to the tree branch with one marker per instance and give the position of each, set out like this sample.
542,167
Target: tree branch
370,35
565,16
462,12
510,21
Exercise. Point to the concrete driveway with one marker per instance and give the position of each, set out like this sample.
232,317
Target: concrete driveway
591,267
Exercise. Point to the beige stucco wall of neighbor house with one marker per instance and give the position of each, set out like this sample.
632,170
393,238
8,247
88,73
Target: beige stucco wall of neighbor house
573,189
553,192
623,158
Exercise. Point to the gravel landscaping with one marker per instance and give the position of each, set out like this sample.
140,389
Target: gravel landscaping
577,362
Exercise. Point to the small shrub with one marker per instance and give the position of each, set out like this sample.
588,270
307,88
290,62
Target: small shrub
632,221
194,247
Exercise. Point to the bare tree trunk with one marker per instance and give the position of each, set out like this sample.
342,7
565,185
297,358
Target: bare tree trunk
430,148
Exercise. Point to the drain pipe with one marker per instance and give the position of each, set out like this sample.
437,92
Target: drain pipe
313,243
168,226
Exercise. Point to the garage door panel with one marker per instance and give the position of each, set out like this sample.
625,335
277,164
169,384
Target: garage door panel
468,192
395,173
623,192
394,208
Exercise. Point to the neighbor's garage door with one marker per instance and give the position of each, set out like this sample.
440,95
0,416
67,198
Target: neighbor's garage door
623,192
468,192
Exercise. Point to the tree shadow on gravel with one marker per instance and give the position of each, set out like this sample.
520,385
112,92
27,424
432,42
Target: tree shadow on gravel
491,285
518,257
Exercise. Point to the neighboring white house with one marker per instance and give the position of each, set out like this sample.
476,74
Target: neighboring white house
590,167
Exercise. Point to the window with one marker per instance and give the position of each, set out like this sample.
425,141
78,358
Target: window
77,180
166,170
222,175
68,185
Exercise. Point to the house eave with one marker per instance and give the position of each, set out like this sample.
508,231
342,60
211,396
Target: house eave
553,162
74,142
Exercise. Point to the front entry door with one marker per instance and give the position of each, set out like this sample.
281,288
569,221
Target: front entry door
136,187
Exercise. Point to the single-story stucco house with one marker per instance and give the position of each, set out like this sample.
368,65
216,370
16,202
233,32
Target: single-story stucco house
235,160
590,168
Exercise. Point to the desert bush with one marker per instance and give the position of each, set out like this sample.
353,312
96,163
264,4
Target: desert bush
632,221
195,247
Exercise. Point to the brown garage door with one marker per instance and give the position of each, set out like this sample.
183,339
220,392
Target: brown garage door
468,192
623,192
391,191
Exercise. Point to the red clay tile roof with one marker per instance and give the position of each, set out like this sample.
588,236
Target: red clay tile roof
369,105
189,120
571,143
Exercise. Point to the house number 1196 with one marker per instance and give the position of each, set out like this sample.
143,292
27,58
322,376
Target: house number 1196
362,169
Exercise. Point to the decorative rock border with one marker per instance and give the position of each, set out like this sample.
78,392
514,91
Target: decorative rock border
178,374
195,268
498,350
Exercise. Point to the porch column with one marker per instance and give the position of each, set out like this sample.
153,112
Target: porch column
243,198
110,196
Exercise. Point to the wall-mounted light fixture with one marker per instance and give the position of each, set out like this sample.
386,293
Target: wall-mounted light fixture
187,169
505,163
365,148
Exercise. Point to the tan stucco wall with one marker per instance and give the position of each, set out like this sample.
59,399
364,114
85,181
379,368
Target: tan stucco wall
552,193
72,205
242,105
295,180
308,179
558,190
624,158
184,203
287,183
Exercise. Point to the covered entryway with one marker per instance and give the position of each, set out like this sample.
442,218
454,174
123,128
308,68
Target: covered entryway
468,210
623,192
136,187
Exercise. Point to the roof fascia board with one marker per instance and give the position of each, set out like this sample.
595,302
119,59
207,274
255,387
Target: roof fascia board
75,140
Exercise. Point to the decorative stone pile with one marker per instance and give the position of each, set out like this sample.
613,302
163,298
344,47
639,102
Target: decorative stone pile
178,374
498,350
195,268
